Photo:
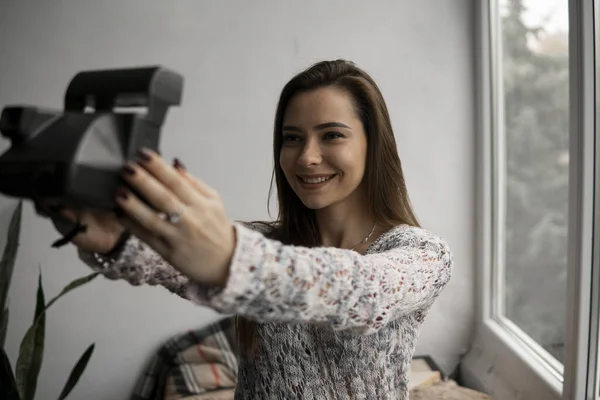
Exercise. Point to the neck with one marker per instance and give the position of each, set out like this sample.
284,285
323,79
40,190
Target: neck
344,225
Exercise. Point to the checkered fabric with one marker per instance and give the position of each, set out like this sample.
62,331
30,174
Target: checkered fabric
195,365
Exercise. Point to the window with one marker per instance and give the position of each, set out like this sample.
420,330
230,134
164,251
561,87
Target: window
538,335
532,171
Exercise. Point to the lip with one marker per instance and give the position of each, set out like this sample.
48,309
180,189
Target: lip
314,186
313,176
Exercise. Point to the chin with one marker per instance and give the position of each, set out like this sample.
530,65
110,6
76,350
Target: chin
319,202
315,205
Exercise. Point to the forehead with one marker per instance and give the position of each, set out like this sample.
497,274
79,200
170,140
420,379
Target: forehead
320,105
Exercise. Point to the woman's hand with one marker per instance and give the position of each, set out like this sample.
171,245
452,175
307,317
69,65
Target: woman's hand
103,229
183,219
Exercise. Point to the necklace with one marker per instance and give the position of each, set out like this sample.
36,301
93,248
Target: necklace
366,237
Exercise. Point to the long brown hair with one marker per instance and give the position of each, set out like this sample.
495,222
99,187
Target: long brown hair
389,201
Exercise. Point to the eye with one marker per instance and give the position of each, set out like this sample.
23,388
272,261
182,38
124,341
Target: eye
333,136
290,138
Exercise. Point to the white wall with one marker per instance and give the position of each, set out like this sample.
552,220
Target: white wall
235,58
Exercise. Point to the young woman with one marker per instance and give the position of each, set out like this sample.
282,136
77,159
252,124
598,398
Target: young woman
329,297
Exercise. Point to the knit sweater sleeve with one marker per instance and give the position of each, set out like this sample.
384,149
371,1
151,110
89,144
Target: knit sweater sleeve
273,282
139,264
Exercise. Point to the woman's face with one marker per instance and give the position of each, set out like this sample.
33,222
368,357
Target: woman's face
324,148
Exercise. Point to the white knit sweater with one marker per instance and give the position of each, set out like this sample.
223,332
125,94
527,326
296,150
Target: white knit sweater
334,324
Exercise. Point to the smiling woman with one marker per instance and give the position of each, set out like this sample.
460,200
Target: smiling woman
324,152
330,297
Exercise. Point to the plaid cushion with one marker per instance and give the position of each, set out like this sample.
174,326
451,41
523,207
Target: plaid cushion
196,365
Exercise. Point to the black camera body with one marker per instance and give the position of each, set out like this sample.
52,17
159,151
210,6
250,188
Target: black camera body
74,157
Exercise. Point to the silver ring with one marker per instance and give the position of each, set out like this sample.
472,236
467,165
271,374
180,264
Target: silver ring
175,217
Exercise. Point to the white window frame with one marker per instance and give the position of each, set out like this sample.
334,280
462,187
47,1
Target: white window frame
503,361
581,333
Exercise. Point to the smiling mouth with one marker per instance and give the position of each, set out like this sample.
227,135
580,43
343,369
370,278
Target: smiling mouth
315,180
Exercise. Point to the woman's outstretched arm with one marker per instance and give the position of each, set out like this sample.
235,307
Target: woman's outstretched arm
270,281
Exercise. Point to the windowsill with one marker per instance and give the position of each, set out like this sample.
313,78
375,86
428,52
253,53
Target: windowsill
499,365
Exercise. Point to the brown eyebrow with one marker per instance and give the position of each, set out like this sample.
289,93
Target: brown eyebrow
324,125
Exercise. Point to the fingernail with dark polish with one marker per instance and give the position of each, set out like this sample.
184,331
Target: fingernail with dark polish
123,193
129,170
144,155
178,164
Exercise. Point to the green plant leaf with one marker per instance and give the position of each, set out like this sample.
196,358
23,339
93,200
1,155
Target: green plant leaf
32,345
4,326
31,352
77,371
8,386
73,285
7,263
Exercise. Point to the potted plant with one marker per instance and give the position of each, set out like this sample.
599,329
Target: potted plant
21,383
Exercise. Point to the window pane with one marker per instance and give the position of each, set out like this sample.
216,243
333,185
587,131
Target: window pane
535,94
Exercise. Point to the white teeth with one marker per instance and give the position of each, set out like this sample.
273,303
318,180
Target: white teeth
316,180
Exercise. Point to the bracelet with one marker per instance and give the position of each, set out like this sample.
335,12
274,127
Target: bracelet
109,258
105,262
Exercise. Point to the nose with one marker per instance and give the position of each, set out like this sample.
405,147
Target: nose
310,154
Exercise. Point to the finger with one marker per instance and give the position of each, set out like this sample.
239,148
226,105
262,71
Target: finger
64,220
138,211
167,175
70,214
196,183
150,189
158,243
136,229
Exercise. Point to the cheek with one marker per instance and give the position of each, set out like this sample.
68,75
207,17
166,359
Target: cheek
350,161
286,161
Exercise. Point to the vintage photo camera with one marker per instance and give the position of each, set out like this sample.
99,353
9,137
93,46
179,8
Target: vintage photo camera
74,157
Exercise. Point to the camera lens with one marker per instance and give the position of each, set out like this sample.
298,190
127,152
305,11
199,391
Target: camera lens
11,118
10,122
